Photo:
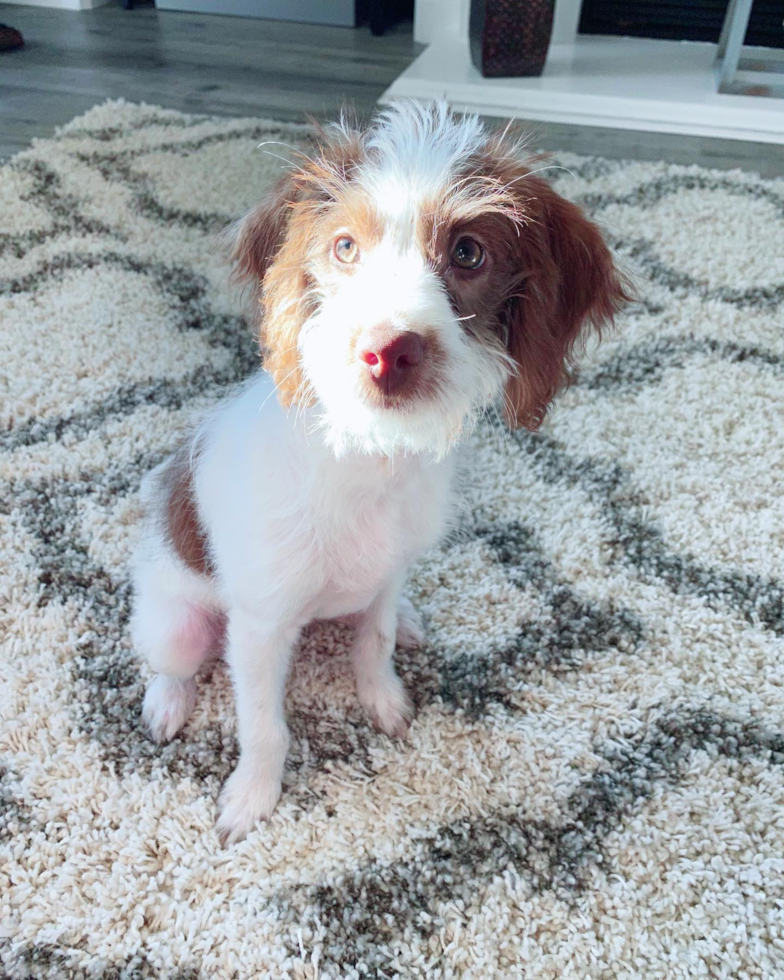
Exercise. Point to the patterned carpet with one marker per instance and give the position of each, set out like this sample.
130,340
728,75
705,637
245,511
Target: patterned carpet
594,784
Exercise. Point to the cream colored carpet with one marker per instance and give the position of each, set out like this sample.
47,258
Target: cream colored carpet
594,785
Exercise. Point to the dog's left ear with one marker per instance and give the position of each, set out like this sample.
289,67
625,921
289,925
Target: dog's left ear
256,238
269,249
568,286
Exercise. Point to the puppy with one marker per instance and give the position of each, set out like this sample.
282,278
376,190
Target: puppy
408,276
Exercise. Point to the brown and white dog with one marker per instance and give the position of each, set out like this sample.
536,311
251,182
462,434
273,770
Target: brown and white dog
409,275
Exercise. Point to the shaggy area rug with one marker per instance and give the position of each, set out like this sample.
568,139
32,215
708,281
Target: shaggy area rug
594,783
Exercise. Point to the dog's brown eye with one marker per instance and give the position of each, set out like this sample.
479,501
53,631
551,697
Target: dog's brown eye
468,254
346,250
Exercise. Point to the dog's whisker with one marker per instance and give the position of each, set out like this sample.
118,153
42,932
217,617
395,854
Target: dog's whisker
290,165
539,170
294,149
276,387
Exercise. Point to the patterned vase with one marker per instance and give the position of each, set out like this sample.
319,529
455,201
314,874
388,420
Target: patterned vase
510,37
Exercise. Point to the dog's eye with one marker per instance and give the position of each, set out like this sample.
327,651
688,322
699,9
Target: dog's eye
346,250
468,254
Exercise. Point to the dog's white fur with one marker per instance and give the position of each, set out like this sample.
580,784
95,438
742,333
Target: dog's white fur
318,509
297,534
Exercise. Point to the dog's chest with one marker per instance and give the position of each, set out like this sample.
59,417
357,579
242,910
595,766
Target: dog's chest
358,563
371,538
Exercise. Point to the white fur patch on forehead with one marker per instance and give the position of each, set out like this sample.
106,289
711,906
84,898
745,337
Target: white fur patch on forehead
413,150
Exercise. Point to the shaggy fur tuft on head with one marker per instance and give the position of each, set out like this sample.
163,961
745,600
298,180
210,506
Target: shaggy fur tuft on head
406,192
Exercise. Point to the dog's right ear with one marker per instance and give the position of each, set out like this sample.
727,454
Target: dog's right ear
269,255
269,248
256,238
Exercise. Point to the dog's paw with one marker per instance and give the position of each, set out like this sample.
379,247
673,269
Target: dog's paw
410,631
248,795
387,705
168,703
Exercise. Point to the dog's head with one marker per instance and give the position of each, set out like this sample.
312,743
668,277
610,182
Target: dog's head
411,273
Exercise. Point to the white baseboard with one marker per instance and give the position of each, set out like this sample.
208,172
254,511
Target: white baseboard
61,4
434,18
336,13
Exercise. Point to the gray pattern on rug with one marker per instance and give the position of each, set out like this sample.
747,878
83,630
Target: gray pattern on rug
594,784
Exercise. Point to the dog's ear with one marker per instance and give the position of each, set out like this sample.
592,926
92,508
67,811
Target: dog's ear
568,286
256,238
268,253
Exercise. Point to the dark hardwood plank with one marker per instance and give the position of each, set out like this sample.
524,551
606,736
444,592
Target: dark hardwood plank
193,62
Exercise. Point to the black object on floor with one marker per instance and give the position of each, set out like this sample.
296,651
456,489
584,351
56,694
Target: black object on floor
10,38
382,14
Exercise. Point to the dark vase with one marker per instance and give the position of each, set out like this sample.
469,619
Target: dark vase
510,37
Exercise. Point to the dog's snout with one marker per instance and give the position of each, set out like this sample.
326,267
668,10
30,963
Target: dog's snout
391,356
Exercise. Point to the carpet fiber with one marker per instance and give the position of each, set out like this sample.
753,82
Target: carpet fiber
594,784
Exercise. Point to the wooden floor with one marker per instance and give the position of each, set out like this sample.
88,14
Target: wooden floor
228,66
238,67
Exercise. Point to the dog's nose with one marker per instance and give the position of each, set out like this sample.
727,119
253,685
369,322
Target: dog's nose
391,356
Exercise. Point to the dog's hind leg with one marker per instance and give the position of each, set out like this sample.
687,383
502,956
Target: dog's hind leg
175,636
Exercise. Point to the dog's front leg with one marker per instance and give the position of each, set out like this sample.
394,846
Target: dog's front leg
259,654
380,690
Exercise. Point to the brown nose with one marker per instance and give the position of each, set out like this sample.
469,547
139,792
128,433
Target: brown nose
391,356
